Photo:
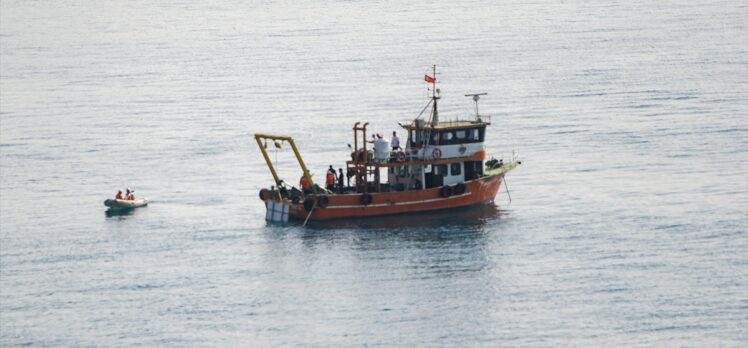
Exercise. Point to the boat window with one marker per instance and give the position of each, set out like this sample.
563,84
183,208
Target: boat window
459,136
473,170
455,169
455,137
474,134
440,169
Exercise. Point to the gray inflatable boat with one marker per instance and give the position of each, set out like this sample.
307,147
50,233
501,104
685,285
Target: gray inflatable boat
125,204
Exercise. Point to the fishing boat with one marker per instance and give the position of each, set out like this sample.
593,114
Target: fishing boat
442,165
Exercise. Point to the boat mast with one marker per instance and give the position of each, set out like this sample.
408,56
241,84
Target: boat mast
435,112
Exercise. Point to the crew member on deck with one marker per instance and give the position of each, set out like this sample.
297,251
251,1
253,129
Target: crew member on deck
304,183
395,142
330,179
340,180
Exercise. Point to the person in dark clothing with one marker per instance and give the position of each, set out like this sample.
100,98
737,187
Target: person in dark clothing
340,180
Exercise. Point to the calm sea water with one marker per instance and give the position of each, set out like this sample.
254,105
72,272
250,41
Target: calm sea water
628,224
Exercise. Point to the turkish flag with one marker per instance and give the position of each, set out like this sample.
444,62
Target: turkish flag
429,79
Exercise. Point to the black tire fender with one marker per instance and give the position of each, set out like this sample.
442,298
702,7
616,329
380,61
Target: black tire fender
445,191
366,199
459,189
309,203
264,194
323,201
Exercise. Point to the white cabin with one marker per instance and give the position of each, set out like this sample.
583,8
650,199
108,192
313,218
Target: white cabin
447,153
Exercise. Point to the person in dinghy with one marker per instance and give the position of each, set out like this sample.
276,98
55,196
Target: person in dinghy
126,201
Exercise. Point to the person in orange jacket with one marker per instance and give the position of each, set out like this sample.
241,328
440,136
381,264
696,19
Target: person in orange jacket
119,195
330,179
304,183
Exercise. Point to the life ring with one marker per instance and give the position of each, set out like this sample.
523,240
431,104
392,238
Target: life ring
437,153
323,201
366,199
264,194
400,156
459,189
445,191
309,204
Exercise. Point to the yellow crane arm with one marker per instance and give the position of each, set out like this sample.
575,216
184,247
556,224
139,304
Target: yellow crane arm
259,137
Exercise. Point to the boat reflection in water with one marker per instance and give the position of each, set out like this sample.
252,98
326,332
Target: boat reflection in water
113,212
429,244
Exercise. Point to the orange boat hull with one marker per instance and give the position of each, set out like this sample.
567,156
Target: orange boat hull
388,203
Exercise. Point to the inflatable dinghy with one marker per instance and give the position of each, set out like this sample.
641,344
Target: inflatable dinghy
125,204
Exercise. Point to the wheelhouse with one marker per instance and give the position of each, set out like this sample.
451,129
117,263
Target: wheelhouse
469,133
435,153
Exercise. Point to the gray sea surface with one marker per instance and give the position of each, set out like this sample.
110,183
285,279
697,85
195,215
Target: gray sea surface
628,220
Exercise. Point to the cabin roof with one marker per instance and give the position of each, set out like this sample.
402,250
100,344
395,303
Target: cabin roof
449,125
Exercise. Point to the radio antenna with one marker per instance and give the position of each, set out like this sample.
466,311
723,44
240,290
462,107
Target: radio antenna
476,97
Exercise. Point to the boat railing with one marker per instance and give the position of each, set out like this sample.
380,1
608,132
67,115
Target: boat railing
453,122
472,119
392,157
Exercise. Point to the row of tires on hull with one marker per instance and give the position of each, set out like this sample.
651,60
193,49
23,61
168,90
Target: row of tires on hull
366,198
324,201
309,202
447,191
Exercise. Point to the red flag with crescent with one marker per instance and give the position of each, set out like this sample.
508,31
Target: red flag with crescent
429,79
